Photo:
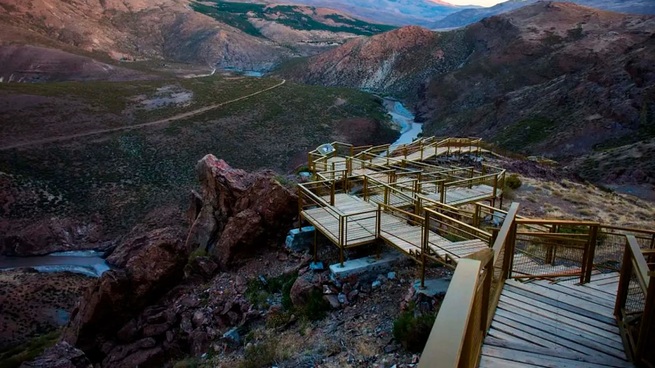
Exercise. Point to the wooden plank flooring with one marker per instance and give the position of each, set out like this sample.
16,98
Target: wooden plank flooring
456,196
546,324
394,230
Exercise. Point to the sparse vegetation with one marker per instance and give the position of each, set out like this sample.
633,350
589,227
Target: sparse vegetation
412,329
197,253
123,176
238,15
13,357
513,181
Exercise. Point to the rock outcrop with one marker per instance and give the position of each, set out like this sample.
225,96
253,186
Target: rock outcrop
240,211
397,62
149,266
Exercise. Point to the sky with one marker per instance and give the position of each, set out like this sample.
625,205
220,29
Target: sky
475,2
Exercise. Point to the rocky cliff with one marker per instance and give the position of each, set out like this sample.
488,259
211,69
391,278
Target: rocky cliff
145,309
399,62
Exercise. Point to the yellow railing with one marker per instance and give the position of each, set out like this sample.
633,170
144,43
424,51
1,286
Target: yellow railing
470,302
635,303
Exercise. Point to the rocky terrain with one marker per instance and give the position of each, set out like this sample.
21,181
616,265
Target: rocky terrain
246,301
552,79
467,16
399,62
33,304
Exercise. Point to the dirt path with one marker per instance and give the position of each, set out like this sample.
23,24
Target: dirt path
137,126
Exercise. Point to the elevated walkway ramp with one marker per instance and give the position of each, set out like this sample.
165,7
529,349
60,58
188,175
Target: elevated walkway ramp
546,324
351,222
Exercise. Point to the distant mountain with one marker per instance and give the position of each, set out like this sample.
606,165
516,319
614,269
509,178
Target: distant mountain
550,78
467,16
210,33
394,12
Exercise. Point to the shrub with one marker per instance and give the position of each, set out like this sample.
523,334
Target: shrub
262,354
316,307
412,331
513,182
259,292
197,253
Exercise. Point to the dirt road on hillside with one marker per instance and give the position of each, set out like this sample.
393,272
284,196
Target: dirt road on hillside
137,126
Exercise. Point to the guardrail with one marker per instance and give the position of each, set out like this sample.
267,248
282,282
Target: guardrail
635,303
468,307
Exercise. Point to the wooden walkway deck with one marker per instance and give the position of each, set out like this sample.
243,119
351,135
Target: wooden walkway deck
545,324
394,230
457,196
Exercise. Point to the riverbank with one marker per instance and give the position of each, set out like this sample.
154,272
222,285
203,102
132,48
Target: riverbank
34,303
88,263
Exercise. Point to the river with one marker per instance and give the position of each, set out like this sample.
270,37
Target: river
409,129
89,263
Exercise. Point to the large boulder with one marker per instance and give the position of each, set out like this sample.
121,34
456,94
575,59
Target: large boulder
240,211
62,355
149,265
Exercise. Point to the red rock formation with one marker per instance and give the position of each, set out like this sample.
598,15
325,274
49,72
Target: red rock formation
151,264
240,211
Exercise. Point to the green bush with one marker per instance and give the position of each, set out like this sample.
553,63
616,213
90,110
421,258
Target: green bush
513,182
258,292
316,307
197,253
412,331
262,354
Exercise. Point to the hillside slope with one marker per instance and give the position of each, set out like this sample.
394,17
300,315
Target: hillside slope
397,62
216,33
395,12
552,78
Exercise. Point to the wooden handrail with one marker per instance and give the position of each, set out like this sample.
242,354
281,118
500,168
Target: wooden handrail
464,225
457,325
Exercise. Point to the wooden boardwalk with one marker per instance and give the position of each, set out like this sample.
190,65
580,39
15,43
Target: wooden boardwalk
360,228
545,324
457,196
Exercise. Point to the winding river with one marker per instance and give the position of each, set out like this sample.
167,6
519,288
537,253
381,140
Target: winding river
409,129
89,263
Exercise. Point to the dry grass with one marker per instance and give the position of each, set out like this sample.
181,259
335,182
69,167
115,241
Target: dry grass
569,200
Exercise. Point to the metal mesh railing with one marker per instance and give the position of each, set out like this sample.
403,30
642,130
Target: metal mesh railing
611,244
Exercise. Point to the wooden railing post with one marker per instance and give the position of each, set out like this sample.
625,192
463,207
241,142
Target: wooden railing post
442,192
476,216
365,188
386,195
590,253
508,259
378,221
299,207
342,241
332,193
425,241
